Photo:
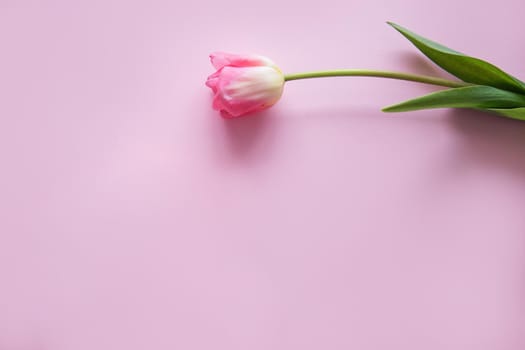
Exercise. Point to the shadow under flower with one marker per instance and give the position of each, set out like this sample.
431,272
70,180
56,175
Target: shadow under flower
489,141
250,135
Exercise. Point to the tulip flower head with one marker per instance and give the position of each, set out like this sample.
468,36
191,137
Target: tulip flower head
244,84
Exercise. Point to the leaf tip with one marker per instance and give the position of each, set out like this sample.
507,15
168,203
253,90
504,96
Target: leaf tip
393,25
388,109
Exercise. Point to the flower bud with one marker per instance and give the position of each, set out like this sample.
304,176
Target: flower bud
244,84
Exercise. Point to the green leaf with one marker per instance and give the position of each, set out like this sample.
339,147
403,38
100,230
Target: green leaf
469,69
481,97
514,113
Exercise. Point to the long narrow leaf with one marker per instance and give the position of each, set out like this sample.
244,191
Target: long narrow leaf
514,113
466,68
483,97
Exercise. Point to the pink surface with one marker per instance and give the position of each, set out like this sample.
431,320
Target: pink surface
133,217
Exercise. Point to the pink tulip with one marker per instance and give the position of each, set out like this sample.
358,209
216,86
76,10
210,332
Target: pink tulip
244,84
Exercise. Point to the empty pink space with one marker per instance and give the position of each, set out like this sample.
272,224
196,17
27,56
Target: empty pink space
133,217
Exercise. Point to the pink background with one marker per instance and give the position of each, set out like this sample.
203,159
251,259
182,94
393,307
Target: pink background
133,217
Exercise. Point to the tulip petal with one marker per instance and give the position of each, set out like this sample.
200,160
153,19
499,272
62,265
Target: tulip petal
213,81
223,59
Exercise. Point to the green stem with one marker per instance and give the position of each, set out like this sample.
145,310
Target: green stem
378,74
